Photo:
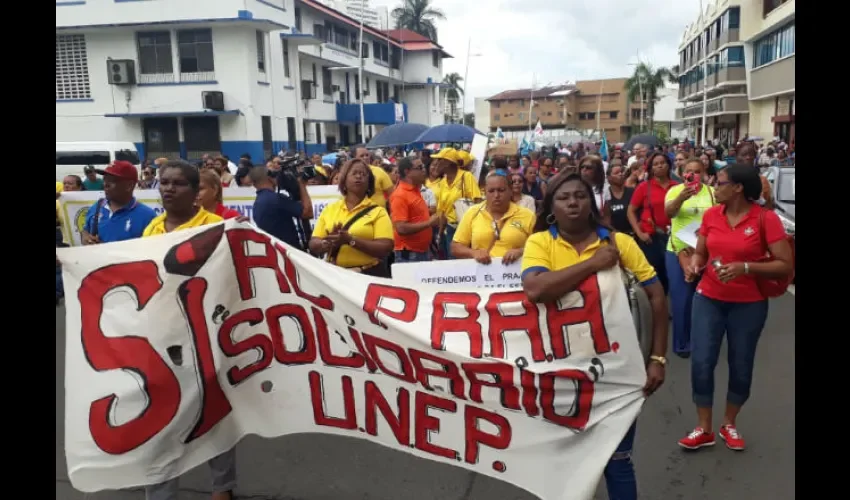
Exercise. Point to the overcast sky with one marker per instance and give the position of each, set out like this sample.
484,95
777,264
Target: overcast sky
579,40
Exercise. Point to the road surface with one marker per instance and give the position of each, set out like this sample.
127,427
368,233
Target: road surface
318,467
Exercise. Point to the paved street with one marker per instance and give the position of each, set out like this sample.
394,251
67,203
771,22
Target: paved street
316,467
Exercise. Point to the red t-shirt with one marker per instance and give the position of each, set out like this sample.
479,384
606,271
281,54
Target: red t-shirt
226,213
655,202
741,243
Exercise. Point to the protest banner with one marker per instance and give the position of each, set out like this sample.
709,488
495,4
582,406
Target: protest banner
75,204
462,273
180,345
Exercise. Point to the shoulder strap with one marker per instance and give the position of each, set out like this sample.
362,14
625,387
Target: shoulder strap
356,217
762,235
96,219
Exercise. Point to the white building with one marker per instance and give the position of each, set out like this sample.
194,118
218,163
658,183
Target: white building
286,69
482,114
378,18
665,112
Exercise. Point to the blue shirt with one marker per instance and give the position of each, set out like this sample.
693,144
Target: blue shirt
274,213
126,223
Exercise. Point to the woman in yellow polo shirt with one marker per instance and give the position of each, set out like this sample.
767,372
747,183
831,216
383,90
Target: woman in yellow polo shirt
497,227
685,204
355,232
569,246
179,185
455,185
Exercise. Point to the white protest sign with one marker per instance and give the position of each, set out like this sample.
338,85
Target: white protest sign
689,234
478,149
464,273
74,205
189,341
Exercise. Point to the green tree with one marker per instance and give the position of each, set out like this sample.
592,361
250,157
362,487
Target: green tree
453,93
650,80
418,16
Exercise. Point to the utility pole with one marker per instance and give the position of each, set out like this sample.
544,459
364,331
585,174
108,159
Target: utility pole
465,77
360,81
599,109
704,74
531,101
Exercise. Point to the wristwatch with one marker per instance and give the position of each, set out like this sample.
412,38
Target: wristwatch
661,360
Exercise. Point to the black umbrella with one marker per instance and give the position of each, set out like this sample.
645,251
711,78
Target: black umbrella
645,139
399,134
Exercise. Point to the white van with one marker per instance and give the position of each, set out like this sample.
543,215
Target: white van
72,157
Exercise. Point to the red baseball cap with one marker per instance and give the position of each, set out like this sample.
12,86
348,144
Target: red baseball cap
121,169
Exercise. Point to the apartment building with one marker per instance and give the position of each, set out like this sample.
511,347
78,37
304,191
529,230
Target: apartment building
742,53
585,105
246,76
712,66
769,34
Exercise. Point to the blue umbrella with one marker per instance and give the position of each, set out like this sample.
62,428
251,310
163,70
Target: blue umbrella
399,134
449,132
330,158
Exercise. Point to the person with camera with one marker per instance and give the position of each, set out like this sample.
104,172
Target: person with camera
685,204
275,212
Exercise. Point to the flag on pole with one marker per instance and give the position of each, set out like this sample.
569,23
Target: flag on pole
538,130
603,148
500,136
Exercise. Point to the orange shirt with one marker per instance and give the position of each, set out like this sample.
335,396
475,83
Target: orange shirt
407,205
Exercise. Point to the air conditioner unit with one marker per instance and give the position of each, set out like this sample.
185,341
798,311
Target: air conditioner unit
213,100
335,88
121,71
365,93
308,90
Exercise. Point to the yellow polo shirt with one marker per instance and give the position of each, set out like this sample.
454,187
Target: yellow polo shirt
463,186
547,251
434,186
477,230
202,218
691,211
376,225
383,184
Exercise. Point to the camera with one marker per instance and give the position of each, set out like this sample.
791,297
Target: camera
296,166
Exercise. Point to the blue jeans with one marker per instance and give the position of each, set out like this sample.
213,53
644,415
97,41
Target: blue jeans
447,241
222,470
655,252
620,477
411,256
681,298
742,322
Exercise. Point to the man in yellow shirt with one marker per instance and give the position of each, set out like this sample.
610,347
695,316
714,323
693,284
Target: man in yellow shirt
383,183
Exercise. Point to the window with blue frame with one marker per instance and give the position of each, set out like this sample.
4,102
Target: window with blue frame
776,45
735,56
734,18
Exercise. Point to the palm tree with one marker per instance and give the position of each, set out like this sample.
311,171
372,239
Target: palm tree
418,16
651,80
453,93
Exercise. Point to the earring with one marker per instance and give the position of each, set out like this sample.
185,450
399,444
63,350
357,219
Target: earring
550,219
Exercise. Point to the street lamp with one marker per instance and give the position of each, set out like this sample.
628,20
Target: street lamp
640,89
465,78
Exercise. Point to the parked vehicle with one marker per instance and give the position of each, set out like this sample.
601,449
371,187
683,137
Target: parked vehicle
72,157
784,189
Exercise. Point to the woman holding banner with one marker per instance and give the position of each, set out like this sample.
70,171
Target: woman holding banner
570,245
354,232
496,227
179,186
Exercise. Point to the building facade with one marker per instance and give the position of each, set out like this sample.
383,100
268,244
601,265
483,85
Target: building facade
246,76
588,106
737,68
769,35
666,117
378,17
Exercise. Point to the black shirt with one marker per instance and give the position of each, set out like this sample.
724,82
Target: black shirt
618,207
274,213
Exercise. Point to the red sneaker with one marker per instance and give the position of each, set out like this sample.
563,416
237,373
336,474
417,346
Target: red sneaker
697,439
734,441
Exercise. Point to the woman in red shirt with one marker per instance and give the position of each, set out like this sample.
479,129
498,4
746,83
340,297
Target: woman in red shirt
211,196
728,300
647,215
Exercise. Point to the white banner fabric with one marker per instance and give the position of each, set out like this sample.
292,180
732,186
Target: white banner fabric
460,273
75,204
180,345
